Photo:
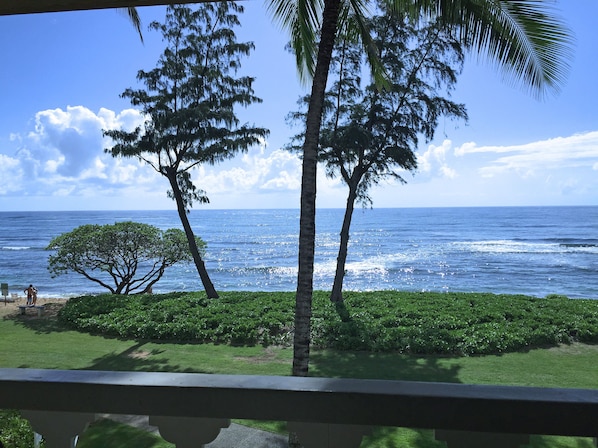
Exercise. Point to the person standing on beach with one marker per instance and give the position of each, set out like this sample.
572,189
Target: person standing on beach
31,295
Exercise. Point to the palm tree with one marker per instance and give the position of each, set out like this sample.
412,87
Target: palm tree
524,37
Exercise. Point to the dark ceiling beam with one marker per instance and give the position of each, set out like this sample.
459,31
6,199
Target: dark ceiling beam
11,7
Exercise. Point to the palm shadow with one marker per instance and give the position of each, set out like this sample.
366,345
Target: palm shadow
379,365
383,366
135,359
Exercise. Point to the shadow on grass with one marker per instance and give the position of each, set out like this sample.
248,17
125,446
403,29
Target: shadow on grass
378,365
386,437
47,323
559,441
135,359
386,366
105,432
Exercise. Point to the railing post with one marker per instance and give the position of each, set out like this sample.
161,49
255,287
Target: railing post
59,429
188,432
324,435
470,439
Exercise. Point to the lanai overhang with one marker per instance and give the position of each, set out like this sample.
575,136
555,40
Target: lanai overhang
12,7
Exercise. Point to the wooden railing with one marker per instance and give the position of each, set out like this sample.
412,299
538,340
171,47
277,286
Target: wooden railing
190,409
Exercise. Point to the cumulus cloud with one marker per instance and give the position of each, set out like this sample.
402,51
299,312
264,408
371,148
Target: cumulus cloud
433,161
257,170
70,141
64,155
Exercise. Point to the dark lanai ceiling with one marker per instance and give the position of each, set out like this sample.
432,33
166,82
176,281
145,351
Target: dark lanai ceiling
9,7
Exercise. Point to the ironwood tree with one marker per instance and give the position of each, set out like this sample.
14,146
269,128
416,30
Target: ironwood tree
189,103
370,133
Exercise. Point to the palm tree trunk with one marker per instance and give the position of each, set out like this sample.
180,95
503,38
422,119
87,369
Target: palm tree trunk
341,260
307,223
199,264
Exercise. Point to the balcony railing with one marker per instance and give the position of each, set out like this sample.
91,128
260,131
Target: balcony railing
190,409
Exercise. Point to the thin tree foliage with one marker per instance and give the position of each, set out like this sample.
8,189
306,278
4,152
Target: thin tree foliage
370,134
189,102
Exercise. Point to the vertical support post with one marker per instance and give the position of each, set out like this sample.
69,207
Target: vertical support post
59,429
188,432
470,439
324,435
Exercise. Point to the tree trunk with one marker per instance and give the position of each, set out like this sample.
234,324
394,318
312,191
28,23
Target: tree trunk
307,224
341,260
199,264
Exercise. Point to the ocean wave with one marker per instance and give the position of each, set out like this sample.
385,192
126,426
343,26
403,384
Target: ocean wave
15,248
511,246
578,245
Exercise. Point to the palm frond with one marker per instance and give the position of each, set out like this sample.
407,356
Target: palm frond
302,19
353,19
526,38
134,18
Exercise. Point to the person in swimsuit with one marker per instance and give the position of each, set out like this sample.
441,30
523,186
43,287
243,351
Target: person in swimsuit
31,295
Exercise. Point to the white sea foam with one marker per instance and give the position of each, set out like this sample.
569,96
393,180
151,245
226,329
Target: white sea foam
510,246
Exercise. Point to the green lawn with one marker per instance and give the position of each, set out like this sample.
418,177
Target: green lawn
42,343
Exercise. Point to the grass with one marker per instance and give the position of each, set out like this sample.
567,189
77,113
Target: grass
35,343
119,435
29,342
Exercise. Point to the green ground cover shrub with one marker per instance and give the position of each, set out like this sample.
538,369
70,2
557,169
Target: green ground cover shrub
384,321
15,432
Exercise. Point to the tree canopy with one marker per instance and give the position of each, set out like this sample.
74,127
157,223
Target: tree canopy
124,257
369,134
189,101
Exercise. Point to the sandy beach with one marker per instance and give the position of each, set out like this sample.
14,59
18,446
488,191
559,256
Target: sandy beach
11,308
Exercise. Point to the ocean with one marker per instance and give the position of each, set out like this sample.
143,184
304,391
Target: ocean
535,251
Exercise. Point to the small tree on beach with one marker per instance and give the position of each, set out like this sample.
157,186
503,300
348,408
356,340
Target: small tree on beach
125,257
189,105
369,134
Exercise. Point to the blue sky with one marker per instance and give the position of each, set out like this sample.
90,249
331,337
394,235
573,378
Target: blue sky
62,74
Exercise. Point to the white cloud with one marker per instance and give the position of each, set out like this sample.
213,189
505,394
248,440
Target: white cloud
433,161
256,170
284,181
11,173
63,158
71,140
576,151
64,153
